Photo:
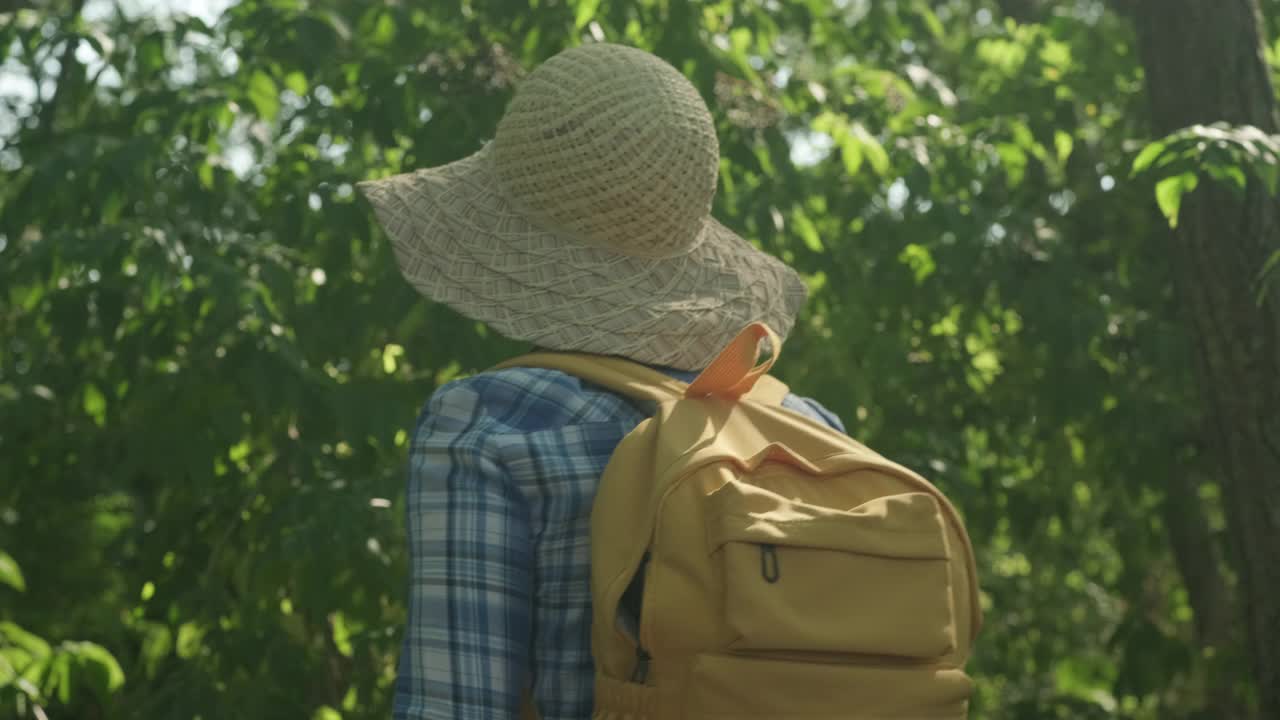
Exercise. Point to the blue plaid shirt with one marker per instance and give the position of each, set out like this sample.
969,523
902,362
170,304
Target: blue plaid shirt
503,469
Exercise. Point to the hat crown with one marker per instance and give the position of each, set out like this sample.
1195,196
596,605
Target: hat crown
613,147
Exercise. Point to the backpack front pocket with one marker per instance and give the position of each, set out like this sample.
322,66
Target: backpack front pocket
874,580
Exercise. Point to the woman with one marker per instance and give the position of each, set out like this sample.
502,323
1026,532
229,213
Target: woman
584,226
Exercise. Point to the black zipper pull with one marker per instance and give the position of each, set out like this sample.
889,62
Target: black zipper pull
769,569
641,674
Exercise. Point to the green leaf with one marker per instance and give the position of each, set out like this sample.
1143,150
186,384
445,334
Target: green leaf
57,679
1005,55
1025,139
1064,144
807,230
205,174
1169,194
871,147
13,634
1231,174
585,11
95,668
987,362
1056,54
190,638
95,404
1014,161
850,153
157,644
390,357
264,94
297,82
12,660
341,634
10,573
384,31
920,260
1148,156
930,18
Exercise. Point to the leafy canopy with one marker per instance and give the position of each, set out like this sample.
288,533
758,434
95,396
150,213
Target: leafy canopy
210,367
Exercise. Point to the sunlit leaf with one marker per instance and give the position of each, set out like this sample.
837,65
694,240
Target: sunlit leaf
10,573
384,31
95,404
850,153
930,18
94,667
58,680
875,153
807,230
157,644
584,13
1064,144
1169,194
264,94
1006,55
341,634
1147,156
297,82
205,172
920,260
13,634
1014,161
190,637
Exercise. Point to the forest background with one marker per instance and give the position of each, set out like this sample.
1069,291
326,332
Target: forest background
1040,238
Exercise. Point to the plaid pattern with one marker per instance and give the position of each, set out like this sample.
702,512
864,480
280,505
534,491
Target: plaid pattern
503,469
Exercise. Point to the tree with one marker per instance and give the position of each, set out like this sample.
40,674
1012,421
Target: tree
1205,63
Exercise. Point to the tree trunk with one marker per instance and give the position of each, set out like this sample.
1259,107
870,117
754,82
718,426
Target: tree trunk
1204,63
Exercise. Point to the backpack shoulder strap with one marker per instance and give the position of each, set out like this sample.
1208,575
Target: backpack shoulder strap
733,374
769,390
621,376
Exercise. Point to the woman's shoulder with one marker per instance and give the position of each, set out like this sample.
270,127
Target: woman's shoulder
527,399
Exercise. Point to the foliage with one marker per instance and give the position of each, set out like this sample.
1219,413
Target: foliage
33,672
210,366
1222,152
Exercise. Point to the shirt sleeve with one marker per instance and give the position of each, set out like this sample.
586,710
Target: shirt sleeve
466,648
815,410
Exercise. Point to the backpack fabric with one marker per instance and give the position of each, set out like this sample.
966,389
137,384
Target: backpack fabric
782,570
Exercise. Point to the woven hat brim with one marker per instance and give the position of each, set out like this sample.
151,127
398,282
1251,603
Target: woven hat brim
459,240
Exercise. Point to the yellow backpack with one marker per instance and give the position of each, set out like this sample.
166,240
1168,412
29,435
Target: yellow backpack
788,572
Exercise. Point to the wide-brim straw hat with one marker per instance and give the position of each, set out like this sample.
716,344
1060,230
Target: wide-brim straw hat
586,224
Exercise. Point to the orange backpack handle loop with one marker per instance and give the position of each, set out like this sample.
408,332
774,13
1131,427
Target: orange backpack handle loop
735,371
